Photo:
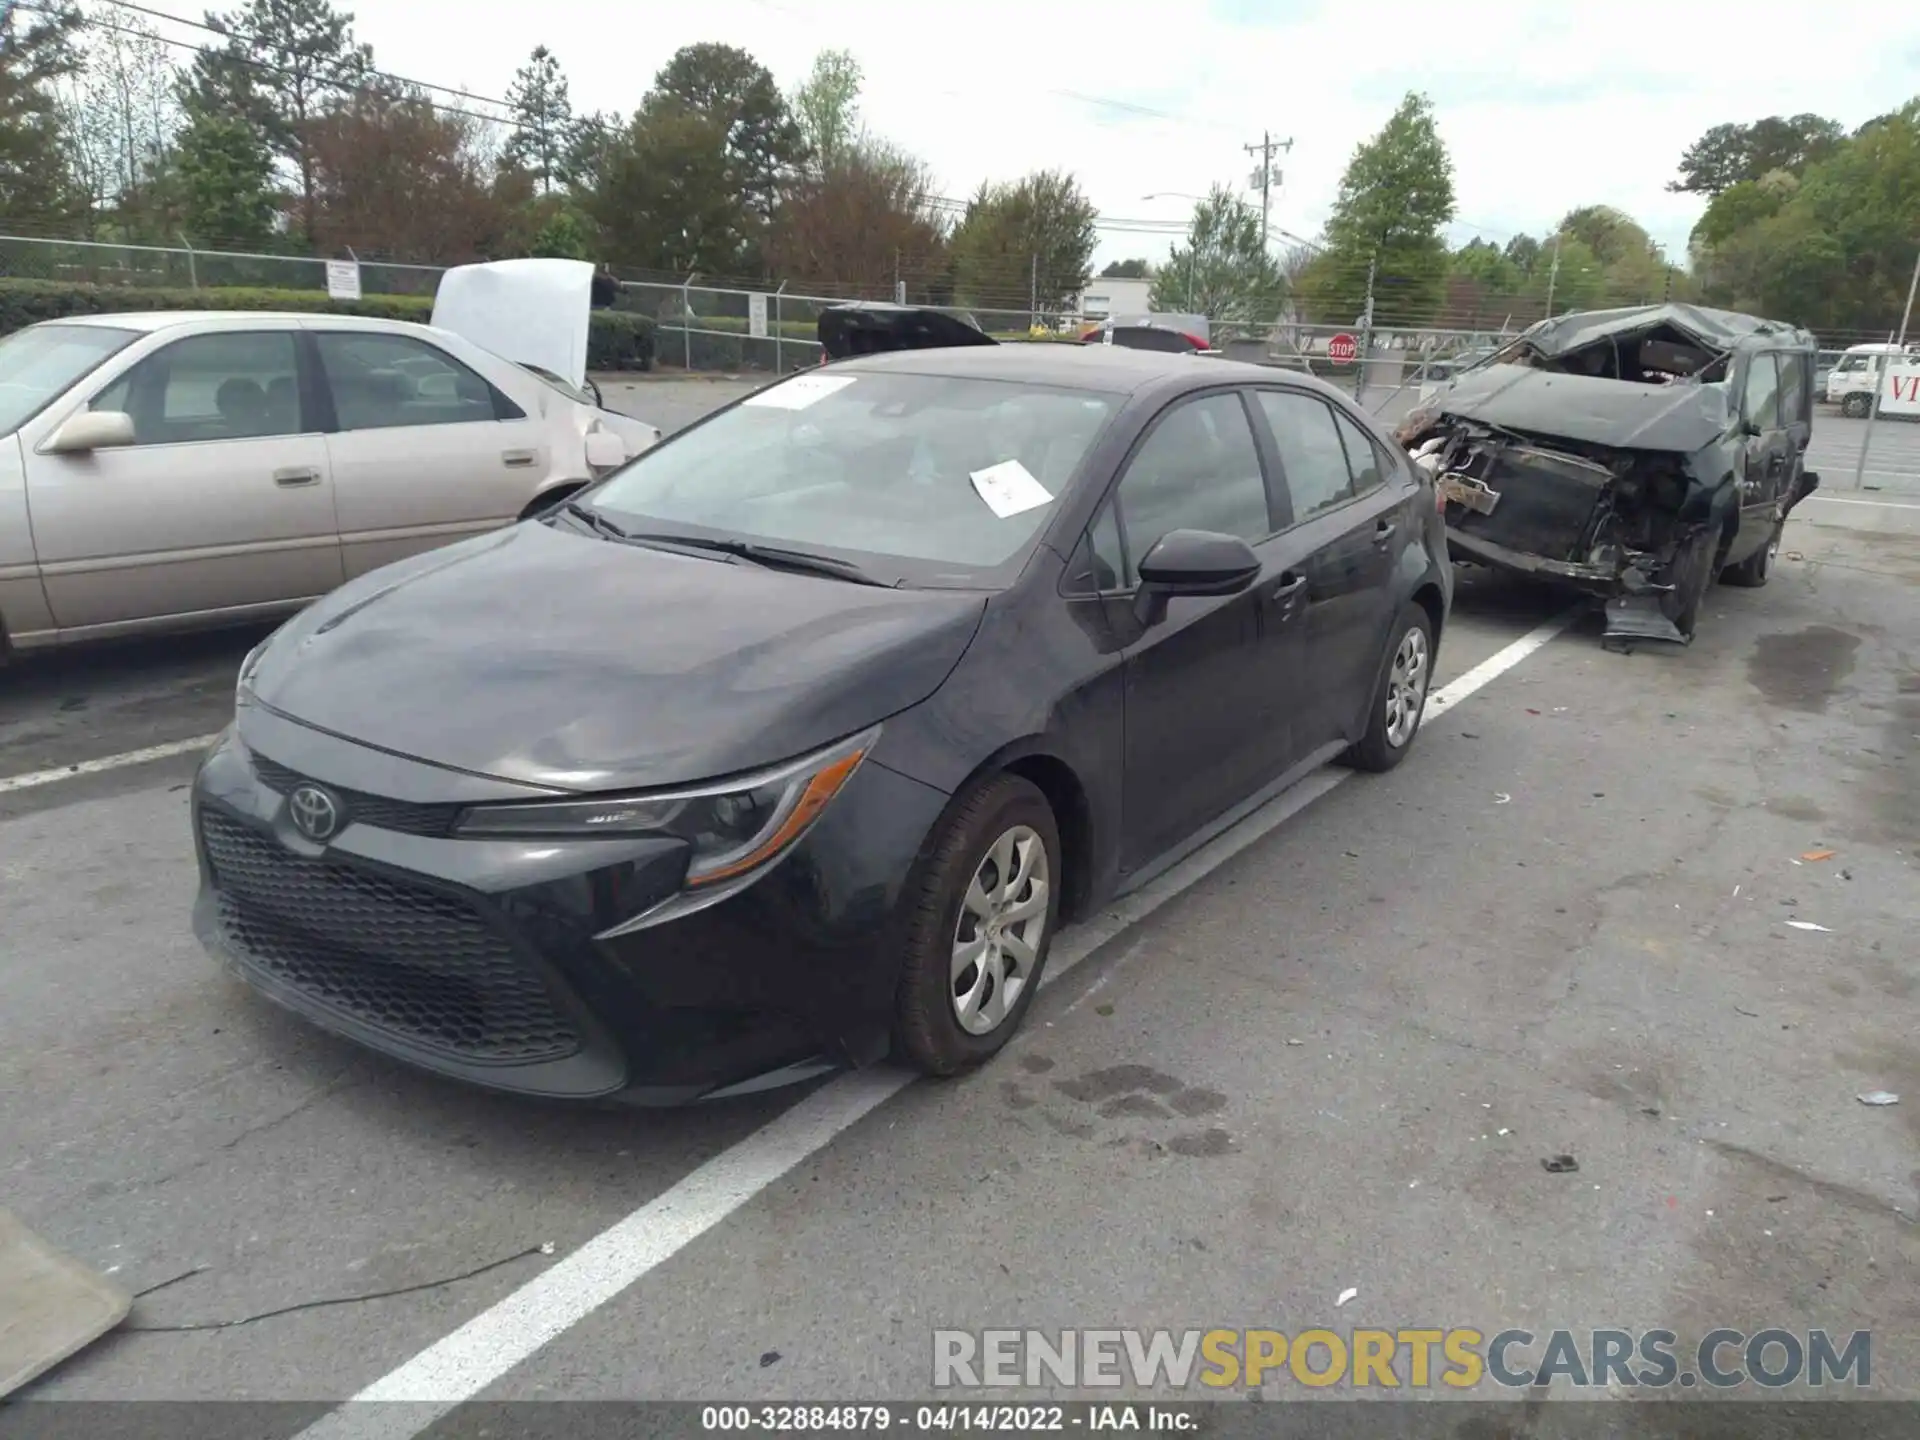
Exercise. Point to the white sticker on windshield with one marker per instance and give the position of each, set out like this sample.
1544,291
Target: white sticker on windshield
1009,488
799,392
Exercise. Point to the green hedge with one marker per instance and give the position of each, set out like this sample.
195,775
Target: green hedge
616,339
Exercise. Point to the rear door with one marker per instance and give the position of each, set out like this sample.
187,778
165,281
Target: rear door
1352,517
224,502
1207,687
426,450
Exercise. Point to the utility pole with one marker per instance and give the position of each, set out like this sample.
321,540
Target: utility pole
1264,178
1553,274
1033,293
1365,346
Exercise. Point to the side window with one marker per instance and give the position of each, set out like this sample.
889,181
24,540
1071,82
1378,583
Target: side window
381,381
1760,401
233,386
1794,388
1363,456
1311,453
1198,470
1098,563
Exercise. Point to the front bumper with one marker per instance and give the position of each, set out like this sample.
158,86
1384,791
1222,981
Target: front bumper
1595,579
489,960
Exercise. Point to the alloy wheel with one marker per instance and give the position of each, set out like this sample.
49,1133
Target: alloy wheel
997,935
1406,686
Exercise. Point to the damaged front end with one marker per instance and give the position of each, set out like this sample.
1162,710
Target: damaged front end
1635,528
1602,452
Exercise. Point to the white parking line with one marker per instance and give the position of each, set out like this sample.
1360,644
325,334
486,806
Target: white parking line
461,1366
35,778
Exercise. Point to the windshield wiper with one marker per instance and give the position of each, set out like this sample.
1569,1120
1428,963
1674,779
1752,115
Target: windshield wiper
773,556
600,523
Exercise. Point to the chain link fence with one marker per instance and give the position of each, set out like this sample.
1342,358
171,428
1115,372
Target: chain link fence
155,267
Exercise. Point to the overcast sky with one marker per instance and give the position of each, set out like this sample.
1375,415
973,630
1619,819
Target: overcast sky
1544,105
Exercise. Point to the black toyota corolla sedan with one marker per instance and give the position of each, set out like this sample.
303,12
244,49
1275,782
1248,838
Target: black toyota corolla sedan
790,744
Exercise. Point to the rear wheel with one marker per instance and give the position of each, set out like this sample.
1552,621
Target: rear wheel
979,929
1400,696
1753,571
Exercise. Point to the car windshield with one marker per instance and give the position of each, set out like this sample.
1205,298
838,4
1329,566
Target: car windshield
921,468
39,363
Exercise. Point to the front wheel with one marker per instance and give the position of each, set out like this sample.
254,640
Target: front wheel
1753,571
1855,407
1400,696
980,925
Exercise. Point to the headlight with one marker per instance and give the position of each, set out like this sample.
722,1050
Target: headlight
733,827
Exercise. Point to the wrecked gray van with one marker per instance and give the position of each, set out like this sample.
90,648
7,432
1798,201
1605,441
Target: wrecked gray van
1635,454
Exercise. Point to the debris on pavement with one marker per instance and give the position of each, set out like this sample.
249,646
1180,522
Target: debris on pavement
1809,925
1559,1164
51,1305
1878,1097
1502,798
1345,1295
1816,855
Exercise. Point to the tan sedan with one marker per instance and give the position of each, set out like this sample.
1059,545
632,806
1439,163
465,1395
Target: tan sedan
181,470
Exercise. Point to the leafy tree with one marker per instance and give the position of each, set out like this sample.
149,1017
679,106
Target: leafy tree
563,237
120,115
1394,201
543,116
864,221
1030,241
1728,154
1523,251
827,109
667,198
225,176
1225,270
395,175
36,186
589,140
730,91
1128,270
285,62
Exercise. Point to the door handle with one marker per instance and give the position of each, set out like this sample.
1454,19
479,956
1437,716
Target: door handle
1287,589
516,458
296,475
1383,532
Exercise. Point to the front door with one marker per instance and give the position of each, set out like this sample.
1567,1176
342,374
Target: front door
223,503
1205,682
1354,521
426,452
1766,456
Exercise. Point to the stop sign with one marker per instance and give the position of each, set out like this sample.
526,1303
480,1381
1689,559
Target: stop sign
1342,350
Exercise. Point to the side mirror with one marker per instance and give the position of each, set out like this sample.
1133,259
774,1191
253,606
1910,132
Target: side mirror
605,450
92,430
1192,562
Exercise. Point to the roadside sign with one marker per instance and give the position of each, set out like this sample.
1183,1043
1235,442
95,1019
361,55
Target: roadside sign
1342,349
757,315
343,280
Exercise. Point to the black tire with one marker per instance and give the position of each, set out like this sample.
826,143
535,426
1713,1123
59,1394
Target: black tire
1855,407
1752,572
1377,749
553,499
927,1032
1692,574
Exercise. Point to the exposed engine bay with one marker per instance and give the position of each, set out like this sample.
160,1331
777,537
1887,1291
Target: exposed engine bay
1603,451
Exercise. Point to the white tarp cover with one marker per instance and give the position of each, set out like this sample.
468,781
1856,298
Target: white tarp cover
532,312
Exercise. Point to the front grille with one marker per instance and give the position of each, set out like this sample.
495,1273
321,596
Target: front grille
1547,504
389,953
359,808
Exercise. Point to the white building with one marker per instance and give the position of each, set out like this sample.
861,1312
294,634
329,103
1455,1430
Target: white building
1106,296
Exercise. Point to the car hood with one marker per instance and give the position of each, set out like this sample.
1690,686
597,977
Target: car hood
1679,418
532,312
874,327
551,658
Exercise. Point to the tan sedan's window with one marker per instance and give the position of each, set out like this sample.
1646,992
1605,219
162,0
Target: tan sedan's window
380,381
241,385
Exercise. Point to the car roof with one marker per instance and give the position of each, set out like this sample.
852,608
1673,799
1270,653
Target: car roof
1107,369
149,321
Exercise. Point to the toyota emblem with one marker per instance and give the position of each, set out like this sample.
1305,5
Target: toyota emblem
314,813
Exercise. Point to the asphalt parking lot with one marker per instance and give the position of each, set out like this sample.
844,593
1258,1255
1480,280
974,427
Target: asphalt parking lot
1330,1052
